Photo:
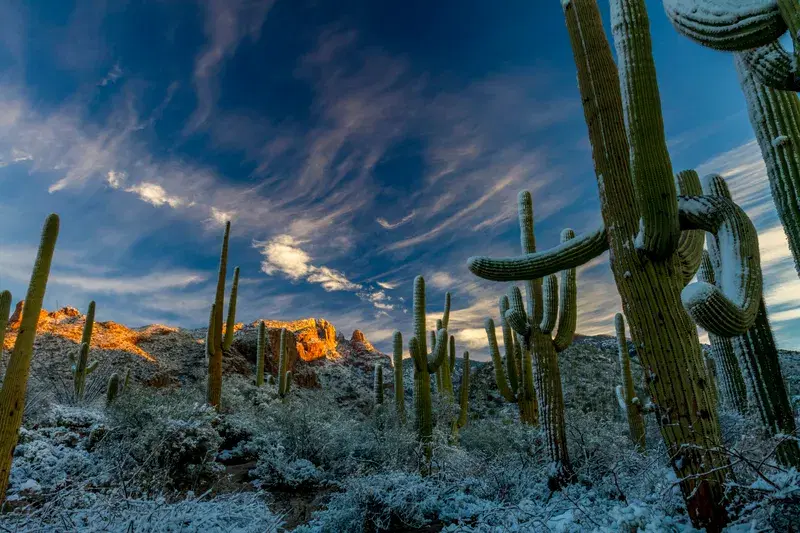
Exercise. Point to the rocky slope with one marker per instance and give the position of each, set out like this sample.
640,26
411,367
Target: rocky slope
159,355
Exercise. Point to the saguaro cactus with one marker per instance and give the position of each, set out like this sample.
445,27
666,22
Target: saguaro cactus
729,375
534,337
399,386
629,401
284,375
378,385
658,304
214,390
15,382
775,117
230,324
751,27
758,357
424,365
81,367
113,389
260,351
463,398
5,309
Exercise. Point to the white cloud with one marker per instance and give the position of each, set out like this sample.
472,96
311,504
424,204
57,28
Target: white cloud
116,179
386,285
113,75
129,284
221,217
441,280
393,225
283,254
154,194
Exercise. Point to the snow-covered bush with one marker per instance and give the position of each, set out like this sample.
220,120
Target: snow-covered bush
162,440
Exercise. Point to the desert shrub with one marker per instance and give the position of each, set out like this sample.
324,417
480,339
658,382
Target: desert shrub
162,440
92,512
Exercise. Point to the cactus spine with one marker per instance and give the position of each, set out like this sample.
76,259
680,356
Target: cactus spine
758,357
378,385
658,304
113,389
424,365
260,351
230,324
729,375
775,117
463,398
628,400
15,382
80,365
399,386
284,375
214,389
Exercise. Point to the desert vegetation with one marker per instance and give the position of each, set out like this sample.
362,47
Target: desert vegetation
240,427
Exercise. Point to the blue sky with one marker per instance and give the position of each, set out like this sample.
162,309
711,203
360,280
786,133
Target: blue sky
353,144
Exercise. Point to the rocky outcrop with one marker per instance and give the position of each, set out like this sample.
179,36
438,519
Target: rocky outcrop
360,341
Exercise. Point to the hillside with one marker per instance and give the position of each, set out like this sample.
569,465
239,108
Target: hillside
325,458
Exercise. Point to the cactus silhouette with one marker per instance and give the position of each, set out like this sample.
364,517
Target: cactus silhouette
629,401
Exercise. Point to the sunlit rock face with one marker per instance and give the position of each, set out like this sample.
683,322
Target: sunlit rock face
358,340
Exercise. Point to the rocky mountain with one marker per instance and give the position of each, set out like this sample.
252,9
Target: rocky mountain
160,355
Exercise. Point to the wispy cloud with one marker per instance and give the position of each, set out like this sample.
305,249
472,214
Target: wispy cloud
385,224
227,24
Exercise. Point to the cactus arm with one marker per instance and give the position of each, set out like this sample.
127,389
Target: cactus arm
230,324
533,286
432,341
88,326
790,12
416,355
772,67
529,412
550,304
516,316
261,349
499,373
210,333
91,367
730,25
439,354
399,387
731,308
12,395
651,168
570,254
446,314
568,302
288,387
690,244
508,346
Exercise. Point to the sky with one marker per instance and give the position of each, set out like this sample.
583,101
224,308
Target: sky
353,144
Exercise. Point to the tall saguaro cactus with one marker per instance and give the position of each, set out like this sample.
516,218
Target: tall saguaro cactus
758,357
729,375
399,386
750,27
546,313
424,365
775,117
5,309
81,367
378,385
15,381
284,374
260,352
463,399
216,347
628,400
655,298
